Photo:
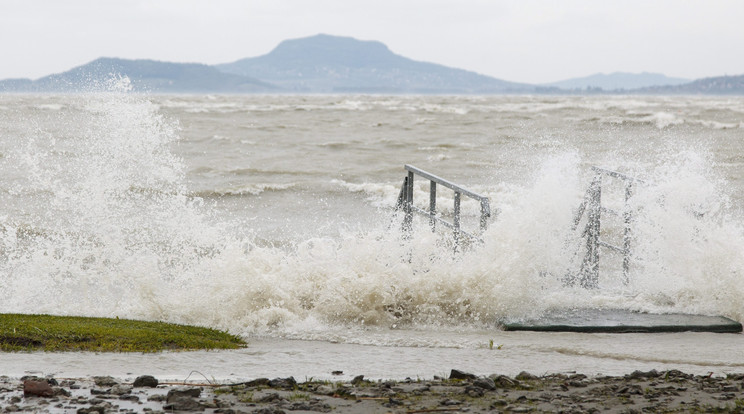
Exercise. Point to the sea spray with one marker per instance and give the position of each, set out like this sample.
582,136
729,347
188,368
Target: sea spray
112,228
689,241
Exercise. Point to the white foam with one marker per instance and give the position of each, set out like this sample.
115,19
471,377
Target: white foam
121,236
254,189
718,125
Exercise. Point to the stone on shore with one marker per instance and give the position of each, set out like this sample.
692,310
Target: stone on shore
105,381
641,375
269,410
182,403
502,381
485,383
119,389
37,388
460,375
525,376
183,399
93,409
257,382
286,383
145,381
325,390
183,392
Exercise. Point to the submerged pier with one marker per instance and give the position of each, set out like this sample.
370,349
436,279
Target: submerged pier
591,320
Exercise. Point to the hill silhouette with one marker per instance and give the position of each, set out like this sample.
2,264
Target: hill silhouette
145,76
618,81
324,63
719,85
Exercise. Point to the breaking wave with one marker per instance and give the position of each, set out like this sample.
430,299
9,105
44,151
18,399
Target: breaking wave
113,230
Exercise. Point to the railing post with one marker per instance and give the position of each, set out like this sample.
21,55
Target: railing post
408,203
627,235
432,204
456,218
485,213
590,266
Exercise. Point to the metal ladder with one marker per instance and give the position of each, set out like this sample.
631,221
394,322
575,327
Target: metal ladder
592,205
405,203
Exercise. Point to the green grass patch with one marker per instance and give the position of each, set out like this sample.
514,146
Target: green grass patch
73,333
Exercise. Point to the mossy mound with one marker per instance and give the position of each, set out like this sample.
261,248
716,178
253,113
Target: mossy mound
20,332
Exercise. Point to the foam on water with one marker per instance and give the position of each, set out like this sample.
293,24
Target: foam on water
117,233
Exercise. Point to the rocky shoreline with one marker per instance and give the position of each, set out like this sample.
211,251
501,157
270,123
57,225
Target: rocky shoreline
652,391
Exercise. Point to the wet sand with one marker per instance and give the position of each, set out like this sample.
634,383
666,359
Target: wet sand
650,391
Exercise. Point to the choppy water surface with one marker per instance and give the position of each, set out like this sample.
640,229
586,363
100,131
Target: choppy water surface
272,217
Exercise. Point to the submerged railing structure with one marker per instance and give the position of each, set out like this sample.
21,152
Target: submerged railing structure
405,202
592,206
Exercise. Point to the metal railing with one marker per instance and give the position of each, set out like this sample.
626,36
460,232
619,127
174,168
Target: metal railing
592,205
405,202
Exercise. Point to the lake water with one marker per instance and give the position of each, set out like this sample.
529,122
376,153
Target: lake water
273,217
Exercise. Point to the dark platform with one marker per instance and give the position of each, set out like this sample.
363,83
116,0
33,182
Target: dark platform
622,321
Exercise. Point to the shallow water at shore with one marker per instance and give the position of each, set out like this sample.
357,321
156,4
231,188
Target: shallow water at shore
386,356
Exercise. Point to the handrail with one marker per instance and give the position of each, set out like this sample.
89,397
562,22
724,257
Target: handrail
619,175
589,272
405,202
448,184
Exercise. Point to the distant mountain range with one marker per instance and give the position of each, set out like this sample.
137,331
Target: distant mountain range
721,85
333,64
618,81
145,75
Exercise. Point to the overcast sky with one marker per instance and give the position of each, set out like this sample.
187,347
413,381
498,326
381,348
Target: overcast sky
534,41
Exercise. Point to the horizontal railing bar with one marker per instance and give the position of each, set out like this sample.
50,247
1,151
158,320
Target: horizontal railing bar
439,180
612,247
617,175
